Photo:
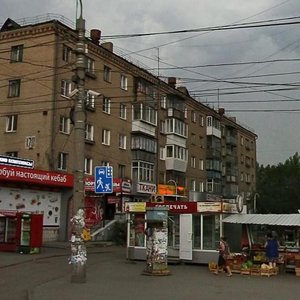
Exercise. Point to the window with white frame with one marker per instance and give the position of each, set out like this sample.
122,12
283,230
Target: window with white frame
122,141
89,132
201,186
64,125
163,101
11,123
185,112
89,100
14,87
62,161
242,141
90,65
142,171
162,153
105,163
193,185
176,126
193,116
65,88
174,151
242,176
16,54
88,166
193,161
106,105
106,137
142,112
162,126
139,142
121,171
107,74
201,164
123,111
67,54
201,120
124,82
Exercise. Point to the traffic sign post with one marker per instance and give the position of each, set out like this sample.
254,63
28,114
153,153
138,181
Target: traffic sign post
104,179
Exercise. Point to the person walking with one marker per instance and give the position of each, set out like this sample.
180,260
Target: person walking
224,252
272,246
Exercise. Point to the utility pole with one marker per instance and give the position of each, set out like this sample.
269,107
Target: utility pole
78,250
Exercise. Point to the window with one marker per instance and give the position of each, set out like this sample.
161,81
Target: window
123,111
105,163
67,54
139,142
185,113
174,151
62,161
106,137
124,82
65,88
107,74
163,102
16,54
242,176
121,171
90,65
193,116
201,120
89,132
242,141
201,186
122,141
193,185
162,153
193,139
143,171
142,112
176,126
193,162
106,105
14,88
242,158
201,164
64,125
89,101
88,166
11,123
12,153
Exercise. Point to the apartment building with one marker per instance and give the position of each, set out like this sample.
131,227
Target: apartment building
150,131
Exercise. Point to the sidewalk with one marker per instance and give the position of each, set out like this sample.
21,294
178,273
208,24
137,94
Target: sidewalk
49,249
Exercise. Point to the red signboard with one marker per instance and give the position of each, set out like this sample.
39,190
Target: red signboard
93,211
40,177
177,207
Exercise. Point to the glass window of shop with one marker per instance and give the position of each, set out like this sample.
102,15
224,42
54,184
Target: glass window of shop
173,231
137,230
209,237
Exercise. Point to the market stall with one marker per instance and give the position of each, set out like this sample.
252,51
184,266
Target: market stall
284,227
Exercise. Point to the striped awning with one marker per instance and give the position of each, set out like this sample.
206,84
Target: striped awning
264,219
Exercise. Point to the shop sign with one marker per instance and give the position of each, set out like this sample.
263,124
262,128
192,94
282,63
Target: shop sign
89,184
16,161
135,206
122,185
177,207
230,208
146,188
113,199
209,207
35,176
93,211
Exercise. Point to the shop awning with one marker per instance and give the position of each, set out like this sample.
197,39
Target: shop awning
264,219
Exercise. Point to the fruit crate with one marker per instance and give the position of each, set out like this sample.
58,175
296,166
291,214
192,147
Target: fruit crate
267,272
245,271
255,270
297,271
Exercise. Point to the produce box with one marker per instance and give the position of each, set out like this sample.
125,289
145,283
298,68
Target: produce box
255,270
212,266
245,271
297,271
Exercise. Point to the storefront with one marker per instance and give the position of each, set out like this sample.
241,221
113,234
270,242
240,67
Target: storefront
194,229
39,192
254,228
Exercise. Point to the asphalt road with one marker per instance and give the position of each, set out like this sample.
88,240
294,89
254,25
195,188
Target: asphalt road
111,276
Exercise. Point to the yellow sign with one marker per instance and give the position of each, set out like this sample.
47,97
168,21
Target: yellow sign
135,206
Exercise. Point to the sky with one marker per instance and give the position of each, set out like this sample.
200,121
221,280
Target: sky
253,72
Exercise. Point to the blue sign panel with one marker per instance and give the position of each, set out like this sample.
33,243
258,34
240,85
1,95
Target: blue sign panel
104,179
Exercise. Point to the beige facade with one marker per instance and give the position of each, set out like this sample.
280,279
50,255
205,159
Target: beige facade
149,130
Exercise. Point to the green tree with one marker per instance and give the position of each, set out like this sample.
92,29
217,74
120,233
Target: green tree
279,187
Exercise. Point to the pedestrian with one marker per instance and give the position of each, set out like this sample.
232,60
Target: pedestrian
272,246
224,253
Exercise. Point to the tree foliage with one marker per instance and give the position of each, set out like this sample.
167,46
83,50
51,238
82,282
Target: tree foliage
279,187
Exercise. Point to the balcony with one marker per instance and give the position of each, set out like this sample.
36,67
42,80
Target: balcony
176,164
144,127
175,113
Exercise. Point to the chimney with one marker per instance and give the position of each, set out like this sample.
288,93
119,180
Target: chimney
95,36
172,82
221,111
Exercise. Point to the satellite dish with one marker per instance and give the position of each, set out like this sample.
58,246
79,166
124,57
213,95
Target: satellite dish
239,201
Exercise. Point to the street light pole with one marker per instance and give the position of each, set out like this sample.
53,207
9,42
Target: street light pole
78,249
175,183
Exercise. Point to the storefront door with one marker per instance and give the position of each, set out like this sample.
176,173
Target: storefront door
186,234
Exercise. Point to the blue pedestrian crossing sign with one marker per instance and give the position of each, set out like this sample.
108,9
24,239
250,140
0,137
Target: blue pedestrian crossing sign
104,179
